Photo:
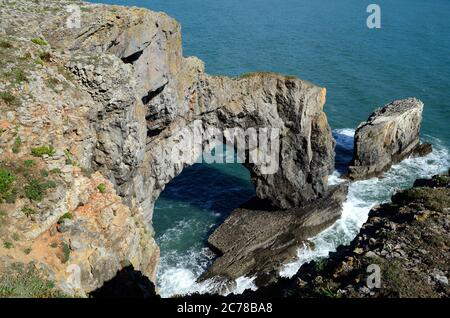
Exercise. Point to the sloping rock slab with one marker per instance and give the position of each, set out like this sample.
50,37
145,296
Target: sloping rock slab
390,135
258,242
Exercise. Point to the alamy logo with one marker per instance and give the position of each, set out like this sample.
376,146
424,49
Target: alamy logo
374,19
374,279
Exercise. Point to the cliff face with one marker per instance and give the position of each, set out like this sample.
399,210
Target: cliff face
116,96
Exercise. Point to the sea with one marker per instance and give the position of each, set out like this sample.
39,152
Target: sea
329,43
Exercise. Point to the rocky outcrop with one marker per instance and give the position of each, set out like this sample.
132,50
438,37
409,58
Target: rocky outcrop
116,96
256,242
404,242
171,93
389,135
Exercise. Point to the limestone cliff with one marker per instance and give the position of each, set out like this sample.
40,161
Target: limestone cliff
116,96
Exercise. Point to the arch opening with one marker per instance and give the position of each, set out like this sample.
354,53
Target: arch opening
191,206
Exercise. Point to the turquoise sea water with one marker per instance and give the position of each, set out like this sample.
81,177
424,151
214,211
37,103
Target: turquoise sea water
328,43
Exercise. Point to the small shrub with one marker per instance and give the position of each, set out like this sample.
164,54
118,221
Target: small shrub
44,173
29,163
328,293
39,41
49,184
8,245
65,216
101,187
34,190
6,181
16,145
27,250
87,171
43,150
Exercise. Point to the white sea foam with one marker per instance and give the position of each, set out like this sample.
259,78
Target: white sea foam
362,196
178,272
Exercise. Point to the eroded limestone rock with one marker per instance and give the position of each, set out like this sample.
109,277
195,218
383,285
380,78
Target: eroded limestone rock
116,96
389,135
256,242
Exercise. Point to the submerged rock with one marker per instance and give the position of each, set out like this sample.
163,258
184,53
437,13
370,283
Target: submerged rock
389,135
256,242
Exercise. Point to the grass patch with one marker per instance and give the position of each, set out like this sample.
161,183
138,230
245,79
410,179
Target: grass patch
39,41
65,216
8,245
101,187
6,183
328,292
29,163
25,281
23,179
35,189
43,150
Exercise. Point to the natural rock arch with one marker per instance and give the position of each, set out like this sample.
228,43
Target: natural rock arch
157,93
146,94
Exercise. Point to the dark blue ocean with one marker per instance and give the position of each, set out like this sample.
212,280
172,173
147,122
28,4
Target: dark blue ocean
328,43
